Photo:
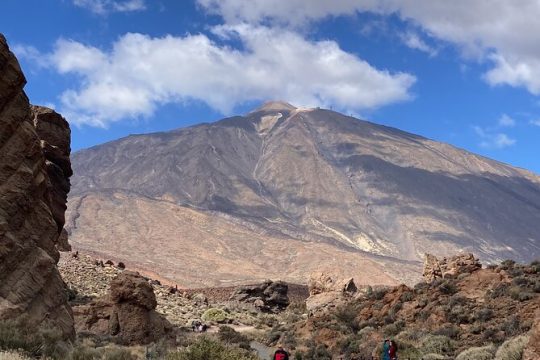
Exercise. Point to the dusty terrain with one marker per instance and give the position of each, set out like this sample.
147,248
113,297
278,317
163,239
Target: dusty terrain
281,192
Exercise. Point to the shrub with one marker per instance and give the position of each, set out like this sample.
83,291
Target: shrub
458,315
477,353
229,336
393,329
536,286
12,356
368,330
378,294
450,331
437,344
433,357
483,314
316,353
117,353
507,264
407,296
457,300
347,316
215,315
511,327
521,281
512,349
448,287
207,349
499,291
21,335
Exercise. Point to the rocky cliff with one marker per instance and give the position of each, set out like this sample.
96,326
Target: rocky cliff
34,183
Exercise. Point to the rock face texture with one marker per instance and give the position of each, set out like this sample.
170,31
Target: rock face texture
34,182
325,291
311,186
451,267
127,313
269,296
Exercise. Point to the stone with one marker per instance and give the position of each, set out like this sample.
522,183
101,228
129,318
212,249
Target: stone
127,313
269,296
325,291
449,267
34,173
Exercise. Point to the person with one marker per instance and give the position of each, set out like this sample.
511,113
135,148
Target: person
386,350
280,354
393,350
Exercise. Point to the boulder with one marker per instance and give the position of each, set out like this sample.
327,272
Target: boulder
34,177
269,296
449,267
326,291
127,313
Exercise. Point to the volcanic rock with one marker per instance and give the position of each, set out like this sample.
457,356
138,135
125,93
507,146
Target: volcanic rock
326,291
34,177
269,296
127,313
449,267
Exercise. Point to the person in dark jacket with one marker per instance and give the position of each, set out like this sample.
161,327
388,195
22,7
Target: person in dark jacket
281,354
386,350
393,350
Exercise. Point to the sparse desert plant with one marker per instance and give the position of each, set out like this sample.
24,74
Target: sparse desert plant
448,287
366,331
477,353
507,264
450,331
215,315
393,329
208,349
512,326
437,344
116,353
82,352
346,315
12,356
521,281
512,349
229,336
483,314
433,357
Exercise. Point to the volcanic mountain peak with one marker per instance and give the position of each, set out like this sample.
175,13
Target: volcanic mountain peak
276,105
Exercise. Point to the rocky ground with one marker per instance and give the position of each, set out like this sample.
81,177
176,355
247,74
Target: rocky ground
89,278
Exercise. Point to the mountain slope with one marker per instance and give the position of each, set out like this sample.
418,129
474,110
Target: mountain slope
307,176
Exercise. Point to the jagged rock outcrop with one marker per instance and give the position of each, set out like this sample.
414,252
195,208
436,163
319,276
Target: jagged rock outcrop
326,291
34,183
449,267
127,313
269,296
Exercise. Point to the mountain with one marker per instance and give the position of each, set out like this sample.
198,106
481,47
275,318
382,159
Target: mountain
284,191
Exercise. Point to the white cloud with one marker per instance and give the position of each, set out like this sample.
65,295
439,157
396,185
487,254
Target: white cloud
140,73
491,140
506,121
414,41
504,33
535,122
106,6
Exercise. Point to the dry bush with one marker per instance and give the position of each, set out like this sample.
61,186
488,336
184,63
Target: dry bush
477,353
512,349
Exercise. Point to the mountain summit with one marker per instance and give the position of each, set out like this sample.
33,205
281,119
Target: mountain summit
282,191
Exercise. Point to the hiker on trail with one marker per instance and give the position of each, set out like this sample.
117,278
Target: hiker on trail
386,350
280,354
393,350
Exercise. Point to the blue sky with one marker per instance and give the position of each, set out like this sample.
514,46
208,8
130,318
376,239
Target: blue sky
462,72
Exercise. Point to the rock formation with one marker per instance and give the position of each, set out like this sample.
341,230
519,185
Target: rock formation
268,296
326,291
451,267
34,183
127,313
532,351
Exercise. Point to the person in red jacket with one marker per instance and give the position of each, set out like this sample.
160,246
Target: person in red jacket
281,354
393,350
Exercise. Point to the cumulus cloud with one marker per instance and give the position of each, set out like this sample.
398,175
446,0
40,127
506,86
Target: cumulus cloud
139,73
414,41
107,6
506,121
493,140
504,33
535,122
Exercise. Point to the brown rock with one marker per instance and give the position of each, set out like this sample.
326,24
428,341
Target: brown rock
449,267
326,291
34,178
127,313
532,351
269,296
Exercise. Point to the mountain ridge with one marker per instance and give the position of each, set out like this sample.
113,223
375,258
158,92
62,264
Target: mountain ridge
318,176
